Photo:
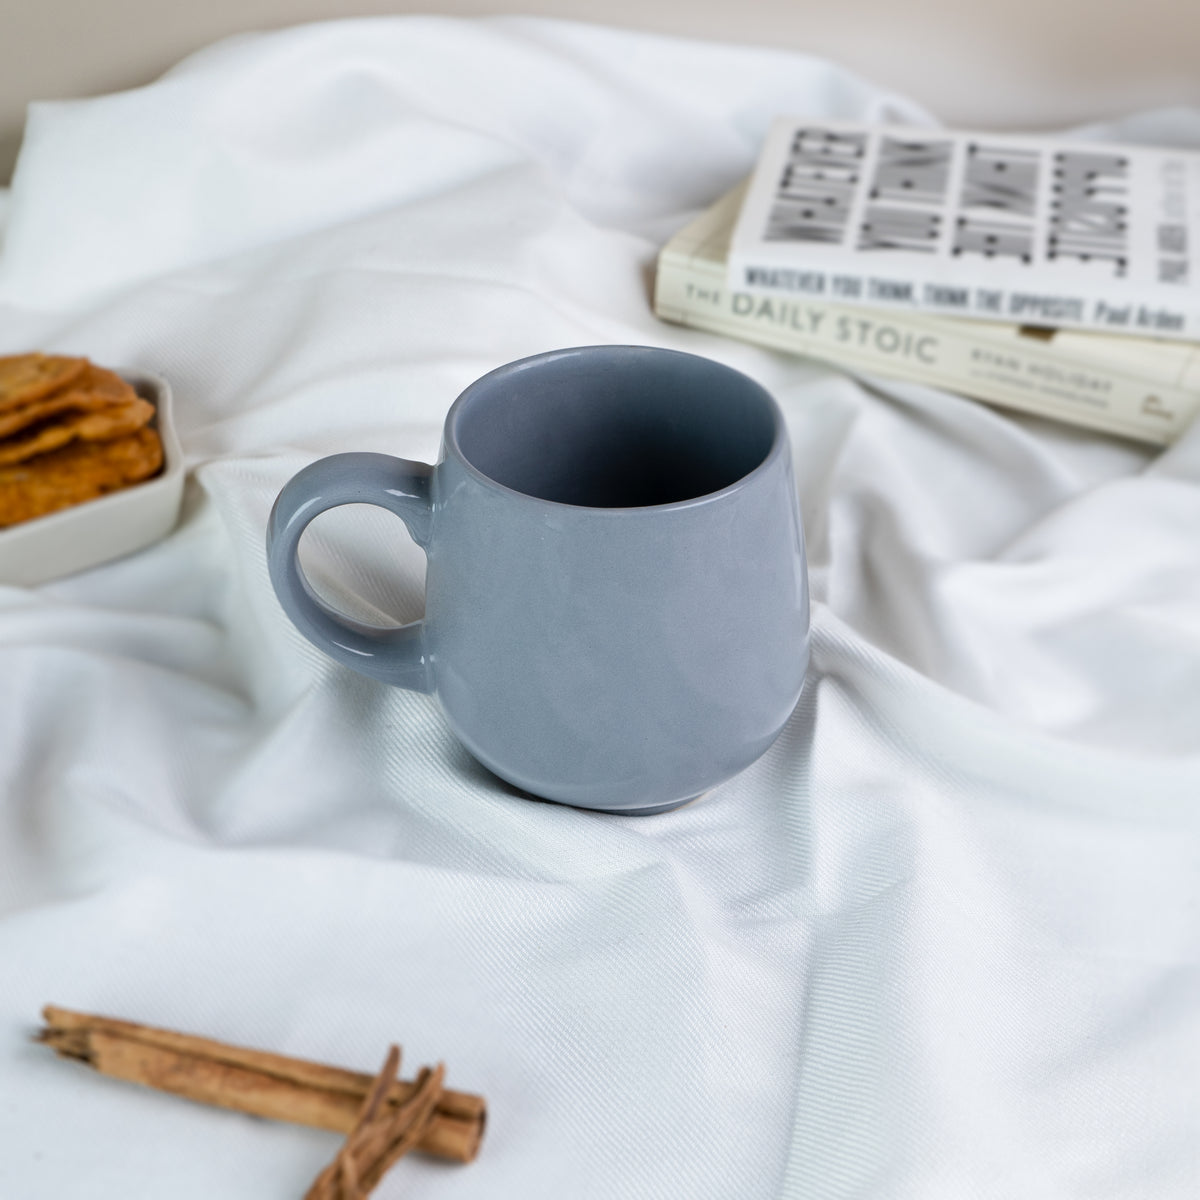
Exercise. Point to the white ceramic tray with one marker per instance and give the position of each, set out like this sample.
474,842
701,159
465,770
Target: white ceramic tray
96,531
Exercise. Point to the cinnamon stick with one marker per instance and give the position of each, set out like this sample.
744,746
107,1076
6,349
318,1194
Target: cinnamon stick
255,1081
382,1135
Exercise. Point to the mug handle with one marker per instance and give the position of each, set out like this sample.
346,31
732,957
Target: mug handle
395,655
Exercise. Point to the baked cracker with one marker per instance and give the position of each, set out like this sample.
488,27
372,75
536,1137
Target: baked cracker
94,381
101,424
75,473
17,419
25,378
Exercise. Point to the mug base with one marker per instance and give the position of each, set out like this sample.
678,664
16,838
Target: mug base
650,811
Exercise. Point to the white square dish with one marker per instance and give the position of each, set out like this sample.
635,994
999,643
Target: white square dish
110,526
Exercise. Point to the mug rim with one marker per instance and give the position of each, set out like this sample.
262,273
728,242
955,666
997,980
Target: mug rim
779,439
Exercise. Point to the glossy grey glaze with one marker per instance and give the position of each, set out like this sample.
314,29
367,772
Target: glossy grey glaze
596,632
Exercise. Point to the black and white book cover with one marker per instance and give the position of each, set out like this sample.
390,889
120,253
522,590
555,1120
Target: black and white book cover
1025,229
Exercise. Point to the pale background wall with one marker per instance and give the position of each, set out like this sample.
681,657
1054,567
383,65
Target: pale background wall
1012,63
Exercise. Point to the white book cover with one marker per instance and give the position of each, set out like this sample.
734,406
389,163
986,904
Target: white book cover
1016,228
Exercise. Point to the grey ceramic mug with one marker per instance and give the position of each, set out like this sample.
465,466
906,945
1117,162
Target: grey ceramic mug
616,591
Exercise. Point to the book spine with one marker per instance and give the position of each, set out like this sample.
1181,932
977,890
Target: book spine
917,292
1034,378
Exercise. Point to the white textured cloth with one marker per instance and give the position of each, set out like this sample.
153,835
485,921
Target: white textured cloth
942,941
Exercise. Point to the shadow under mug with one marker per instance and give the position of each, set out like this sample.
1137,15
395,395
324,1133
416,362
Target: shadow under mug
616,589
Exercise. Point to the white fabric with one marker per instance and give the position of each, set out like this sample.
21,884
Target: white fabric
943,940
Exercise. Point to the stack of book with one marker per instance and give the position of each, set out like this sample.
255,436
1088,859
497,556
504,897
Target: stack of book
1046,276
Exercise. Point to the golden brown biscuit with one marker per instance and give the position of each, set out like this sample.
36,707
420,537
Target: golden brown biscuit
78,472
72,402
25,378
103,424
96,382
93,388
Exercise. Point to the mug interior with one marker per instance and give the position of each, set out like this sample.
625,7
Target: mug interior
614,426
